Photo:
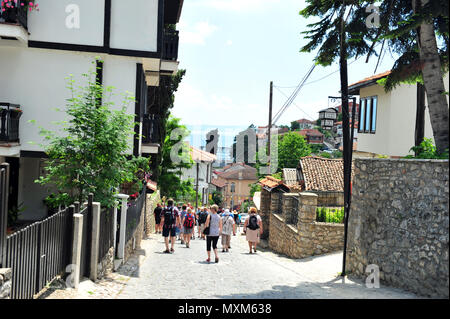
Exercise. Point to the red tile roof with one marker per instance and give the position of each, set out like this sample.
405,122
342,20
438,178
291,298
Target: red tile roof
305,121
270,182
372,78
310,132
219,182
238,171
322,174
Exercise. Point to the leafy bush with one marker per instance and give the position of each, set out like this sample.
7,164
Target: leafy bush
330,215
426,150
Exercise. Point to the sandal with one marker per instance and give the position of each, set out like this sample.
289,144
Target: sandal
208,260
217,260
172,250
166,252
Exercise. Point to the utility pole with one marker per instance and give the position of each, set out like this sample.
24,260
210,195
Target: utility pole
346,133
270,123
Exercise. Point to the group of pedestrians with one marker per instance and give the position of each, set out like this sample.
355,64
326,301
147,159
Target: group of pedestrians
212,223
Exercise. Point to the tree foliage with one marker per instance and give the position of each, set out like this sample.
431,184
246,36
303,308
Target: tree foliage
163,100
295,126
175,157
89,155
291,147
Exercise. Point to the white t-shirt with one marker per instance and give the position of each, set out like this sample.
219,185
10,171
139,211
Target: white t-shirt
227,225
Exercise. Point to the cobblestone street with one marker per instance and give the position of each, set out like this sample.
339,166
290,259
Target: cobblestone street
185,275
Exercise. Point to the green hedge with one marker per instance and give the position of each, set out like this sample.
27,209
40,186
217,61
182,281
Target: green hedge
330,215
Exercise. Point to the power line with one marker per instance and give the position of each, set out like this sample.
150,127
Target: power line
326,76
294,95
295,104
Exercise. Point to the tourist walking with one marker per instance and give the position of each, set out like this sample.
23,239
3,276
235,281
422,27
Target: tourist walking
228,228
237,221
213,229
180,233
202,216
157,212
170,220
188,223
253,229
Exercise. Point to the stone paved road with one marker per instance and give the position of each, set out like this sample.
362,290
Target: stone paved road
186,275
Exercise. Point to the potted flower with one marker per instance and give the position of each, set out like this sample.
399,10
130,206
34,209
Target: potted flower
9,8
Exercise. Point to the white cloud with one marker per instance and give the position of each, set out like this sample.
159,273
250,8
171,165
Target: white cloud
197,33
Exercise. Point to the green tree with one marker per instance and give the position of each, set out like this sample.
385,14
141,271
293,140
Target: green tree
90,157
162,101
291,147
217,198
295,126
175,157
418,31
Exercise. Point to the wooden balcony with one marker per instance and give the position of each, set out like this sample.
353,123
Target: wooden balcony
170,45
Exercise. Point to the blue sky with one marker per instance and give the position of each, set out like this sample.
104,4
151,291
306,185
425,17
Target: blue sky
232,49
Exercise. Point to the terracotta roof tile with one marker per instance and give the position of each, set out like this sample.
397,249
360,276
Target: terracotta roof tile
371,78
219,182
310,132
270,182
322,174
239,171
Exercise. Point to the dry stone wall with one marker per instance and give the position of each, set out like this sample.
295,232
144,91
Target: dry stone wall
399,221
307,237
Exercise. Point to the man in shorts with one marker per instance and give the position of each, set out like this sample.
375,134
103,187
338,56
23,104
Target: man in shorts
170,220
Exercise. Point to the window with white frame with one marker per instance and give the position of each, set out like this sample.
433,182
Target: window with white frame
368,115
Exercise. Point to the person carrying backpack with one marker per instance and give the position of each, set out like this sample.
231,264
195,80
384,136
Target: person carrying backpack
180,232
253,229
202,216
170,220
227,228
188,226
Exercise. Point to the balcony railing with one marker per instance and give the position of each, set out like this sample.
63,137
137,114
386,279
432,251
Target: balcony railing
9,122
151,129
170,45
16,14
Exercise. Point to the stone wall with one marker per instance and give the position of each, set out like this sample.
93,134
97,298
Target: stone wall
399,221
135,240
106,265
265,212
146,225
150,224
330,199
307,237
5,283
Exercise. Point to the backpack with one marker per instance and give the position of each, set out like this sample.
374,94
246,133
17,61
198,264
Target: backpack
253,223
188,221
168,216
202,218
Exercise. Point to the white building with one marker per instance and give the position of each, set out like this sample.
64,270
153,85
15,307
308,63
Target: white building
387,120
40,49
